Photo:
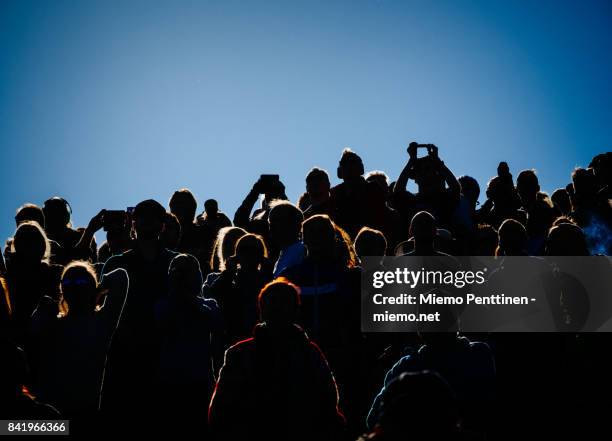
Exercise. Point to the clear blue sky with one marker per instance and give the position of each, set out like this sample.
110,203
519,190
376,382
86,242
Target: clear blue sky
110,102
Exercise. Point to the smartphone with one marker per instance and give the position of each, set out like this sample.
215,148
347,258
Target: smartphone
114,220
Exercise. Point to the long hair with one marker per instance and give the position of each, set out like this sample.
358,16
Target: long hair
224,246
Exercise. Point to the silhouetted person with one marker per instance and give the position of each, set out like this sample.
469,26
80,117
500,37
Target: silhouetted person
237,287
438,189
69,348
417,405
224,247
190,331
317,199
285,223
29,276
594,218
353,199
277,384
211,221
566,239
183,205
512,239
468,367
134,351
423,231
258,222
561,200
58,227
370,242
118,238
484,241
502,203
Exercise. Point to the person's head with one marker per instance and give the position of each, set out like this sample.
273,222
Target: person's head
501,191
350,166
318,234
566,239
585,185
602,167
183,205
250,251
423,229
317,185
284,220
528,187
279,303
184,276
171,233
379,177
561,200
30,212
30,243
148,220
469,188
420,404
57,213
370,242
512,238
486,240
540,216
225,245
211,207
79,288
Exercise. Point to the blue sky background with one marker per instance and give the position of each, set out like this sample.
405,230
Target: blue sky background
110,102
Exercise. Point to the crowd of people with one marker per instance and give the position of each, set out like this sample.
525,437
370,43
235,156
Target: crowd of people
249,328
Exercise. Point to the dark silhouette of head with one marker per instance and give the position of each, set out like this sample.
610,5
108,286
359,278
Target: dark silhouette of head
79,288
350,166
184,276
379,177
279,303
561,200
183,205
602,167
512,238
211,207
370,242
469,188
566,239
419,405
30,243
30,212
317,185
148,220
171,234
344,252
284,221
486,240
501,192
423,230
528,187
319,236
224,247
250,251
585,186
57,213
541,216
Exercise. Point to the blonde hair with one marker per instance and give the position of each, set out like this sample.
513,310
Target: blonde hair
224,246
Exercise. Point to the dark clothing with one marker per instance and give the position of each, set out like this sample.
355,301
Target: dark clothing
68,354
275,385
468,367
236,294
355,206
134,352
